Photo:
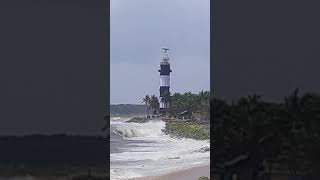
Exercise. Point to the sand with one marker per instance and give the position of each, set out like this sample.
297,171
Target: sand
186,174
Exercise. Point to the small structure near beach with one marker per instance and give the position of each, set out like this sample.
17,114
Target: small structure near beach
185,115
154,116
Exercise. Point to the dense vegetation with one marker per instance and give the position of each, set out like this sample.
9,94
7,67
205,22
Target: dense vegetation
151,102
267,134
192,130
196,103
203,178
138,120
127,109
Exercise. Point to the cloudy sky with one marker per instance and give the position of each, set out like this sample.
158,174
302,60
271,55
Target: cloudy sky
140,28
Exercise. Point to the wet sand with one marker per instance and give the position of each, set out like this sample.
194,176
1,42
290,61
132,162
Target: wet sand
187,174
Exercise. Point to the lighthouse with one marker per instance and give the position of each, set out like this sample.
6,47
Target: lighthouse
164,81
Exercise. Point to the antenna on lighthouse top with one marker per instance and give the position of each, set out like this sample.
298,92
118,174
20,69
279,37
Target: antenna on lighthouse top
165,49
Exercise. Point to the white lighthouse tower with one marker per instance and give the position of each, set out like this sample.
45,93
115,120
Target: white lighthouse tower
164,81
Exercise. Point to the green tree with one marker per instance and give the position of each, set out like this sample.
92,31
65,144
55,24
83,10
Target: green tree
203,104
147,101
154,103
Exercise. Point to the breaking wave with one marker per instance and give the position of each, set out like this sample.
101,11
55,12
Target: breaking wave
149,151
149,129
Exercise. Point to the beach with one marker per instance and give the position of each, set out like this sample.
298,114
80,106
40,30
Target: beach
187,174
143,150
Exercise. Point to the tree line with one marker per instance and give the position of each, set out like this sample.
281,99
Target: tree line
286,134
127,109
196,103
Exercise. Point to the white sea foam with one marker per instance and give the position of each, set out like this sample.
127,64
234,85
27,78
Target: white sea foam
115,118
150,129
118,120
152,152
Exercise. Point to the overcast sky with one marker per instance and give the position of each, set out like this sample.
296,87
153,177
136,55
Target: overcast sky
140,28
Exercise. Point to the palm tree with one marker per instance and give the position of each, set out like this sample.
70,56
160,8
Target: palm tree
154,103
203,104
175,104
284,133
146,100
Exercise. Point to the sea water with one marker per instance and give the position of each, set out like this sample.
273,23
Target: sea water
142,149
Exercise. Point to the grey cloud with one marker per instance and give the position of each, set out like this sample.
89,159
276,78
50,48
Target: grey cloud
138,31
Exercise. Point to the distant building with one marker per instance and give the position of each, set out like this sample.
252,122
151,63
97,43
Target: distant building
164,81
185,115
152,116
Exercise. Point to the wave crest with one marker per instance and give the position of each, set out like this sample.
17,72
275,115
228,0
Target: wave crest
150,129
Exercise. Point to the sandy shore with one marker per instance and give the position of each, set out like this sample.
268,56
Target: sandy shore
186,174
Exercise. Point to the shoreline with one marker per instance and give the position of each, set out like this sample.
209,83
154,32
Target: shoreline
192,173
181,173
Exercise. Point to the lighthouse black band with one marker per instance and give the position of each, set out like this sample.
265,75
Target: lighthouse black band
165,70
163,90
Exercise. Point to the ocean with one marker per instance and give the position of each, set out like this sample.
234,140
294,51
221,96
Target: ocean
142,149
